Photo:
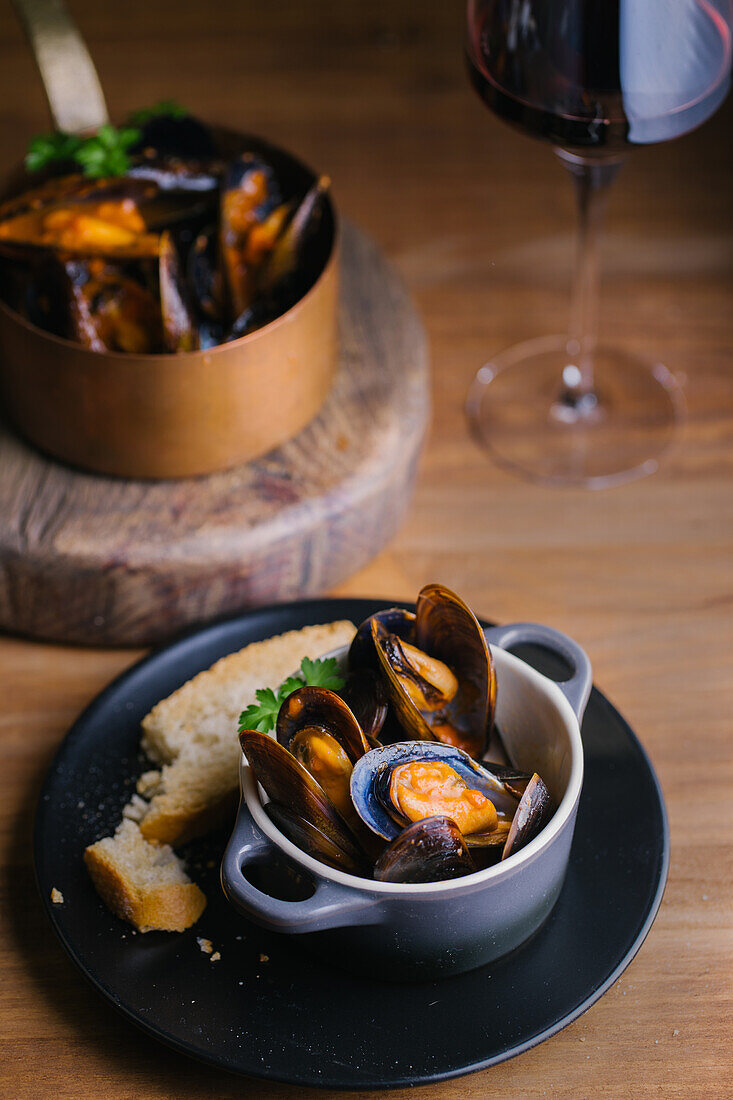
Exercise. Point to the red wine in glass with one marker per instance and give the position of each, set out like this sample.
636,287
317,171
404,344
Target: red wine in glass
595,78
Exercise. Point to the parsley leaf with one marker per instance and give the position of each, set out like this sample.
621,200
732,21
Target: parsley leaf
289,686
322,673
105,154
262,715
163,108
48,148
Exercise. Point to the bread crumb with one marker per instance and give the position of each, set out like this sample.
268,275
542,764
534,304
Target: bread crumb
57,897
206,945
215,957
264,958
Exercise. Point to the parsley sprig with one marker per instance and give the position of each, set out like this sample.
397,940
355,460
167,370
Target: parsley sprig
48,148
262,715
104,153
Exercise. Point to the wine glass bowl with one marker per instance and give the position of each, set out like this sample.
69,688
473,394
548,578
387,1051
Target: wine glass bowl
594,78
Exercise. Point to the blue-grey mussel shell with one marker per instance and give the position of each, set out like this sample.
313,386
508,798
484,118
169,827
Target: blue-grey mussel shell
371,776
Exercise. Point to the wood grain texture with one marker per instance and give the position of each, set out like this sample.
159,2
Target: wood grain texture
478,219
97,560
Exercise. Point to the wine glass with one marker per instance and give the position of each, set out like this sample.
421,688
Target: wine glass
594,78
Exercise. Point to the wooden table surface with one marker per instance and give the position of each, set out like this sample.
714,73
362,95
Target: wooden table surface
479,221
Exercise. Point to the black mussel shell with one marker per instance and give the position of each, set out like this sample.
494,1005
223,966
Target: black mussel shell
184,137
533,812
311,840
362,653
288,783
432,850
179,329
204,274
366,698
314,706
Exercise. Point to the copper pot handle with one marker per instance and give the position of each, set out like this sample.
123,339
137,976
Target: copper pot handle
69,78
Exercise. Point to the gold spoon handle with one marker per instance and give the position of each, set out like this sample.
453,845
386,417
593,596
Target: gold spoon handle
69,78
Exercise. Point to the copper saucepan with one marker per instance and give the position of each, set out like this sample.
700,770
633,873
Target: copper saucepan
166,415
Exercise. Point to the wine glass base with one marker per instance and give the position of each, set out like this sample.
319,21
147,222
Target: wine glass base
518,411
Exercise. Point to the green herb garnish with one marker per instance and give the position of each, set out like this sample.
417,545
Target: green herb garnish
164,108
262,715
48,148
105,154
102,154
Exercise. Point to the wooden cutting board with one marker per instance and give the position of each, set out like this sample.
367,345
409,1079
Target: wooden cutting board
103,561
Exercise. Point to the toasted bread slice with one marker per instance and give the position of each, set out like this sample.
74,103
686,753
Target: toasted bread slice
193,733
143,883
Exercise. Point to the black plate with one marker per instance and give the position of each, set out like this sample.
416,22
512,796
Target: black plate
288,1017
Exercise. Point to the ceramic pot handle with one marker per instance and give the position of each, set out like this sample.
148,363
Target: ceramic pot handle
331,905
577,688
70,80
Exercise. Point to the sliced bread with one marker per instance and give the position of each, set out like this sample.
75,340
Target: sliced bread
143,883
193,733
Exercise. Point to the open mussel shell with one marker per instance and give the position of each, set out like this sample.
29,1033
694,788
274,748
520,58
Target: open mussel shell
250,194
365,695
446,628
179,330
315,706
310,839
533,812
362,652
370,782
432,850
287,783
446,631
204,274
289,250
179,136
109,310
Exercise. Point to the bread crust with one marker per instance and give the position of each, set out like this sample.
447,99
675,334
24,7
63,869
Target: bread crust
169,907
192,736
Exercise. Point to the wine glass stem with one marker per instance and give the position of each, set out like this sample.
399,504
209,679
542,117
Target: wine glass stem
591,179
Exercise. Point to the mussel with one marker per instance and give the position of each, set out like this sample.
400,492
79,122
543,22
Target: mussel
306,811
341,785
229,237
109,310
321,732
179,331
407,781
432,850
250,220
441,682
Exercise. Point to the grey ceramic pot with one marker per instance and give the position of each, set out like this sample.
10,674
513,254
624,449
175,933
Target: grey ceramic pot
397,930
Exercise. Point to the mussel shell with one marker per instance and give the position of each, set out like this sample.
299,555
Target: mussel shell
366,698
179,331
371,777
204,274
362,653
250,193
288,783
315,706
287,257
109,310
311,840
179,136
533,812
432,850
446,628
75,188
